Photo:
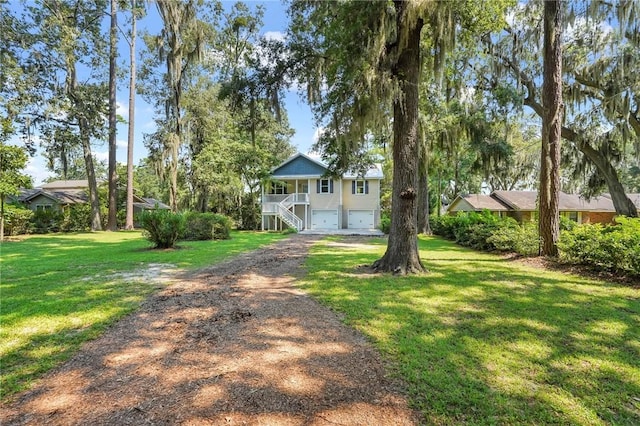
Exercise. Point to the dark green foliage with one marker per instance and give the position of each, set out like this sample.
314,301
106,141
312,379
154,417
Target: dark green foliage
206,226
513,237
45,221
385,223
76,218
613,248
17,220
485,231
162,227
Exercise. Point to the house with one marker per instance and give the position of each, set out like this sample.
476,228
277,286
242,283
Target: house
56,195
300,194
522,206
60,194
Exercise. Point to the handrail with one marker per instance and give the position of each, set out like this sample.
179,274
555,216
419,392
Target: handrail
290,218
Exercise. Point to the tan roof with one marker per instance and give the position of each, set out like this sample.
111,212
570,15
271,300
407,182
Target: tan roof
479,202
527,201
574,202
635,198
66,184
518,200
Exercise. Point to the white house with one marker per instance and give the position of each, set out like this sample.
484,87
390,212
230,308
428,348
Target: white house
301,195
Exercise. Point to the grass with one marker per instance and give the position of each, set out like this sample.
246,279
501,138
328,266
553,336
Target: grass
482,340
58,291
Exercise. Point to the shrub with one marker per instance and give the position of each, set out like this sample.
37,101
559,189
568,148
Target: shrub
162,227
385,224
45,221
614,247
485,231
76,217
444,226
17,220
513,237
206,226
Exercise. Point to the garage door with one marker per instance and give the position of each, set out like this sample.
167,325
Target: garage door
324,219
361,219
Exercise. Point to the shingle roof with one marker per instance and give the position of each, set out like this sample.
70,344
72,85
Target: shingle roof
151,204
518,200
480,202
61,196
635,198
66,184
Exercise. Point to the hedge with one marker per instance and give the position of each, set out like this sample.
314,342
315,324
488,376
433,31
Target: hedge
614,248
206,226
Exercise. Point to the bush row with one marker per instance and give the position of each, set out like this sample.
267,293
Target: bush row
485,231
20,220
164,228
613,247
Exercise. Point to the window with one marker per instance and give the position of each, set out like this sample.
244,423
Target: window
359,187
43,207
278,188
574,216
324,186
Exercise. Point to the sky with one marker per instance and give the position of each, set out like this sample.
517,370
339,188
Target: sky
274,25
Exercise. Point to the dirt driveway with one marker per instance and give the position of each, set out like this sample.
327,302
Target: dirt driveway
233,344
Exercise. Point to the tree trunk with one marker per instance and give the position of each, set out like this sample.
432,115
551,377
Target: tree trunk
623,205
132,110
112,221
549,218
1,218
173,173
94,200
423,200
402,255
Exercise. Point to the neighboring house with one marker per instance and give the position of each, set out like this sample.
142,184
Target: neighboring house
60,194
141,204
301,195
522,206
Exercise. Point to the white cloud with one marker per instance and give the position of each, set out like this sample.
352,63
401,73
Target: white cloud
122,143
317,134
274,35
37,170
122,110
102,156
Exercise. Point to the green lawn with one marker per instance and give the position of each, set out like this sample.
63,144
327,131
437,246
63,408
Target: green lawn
57,291
483,340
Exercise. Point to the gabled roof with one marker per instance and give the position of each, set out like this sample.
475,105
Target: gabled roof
150,204
61,197
66,184
478,202
300,165
527,201
517,200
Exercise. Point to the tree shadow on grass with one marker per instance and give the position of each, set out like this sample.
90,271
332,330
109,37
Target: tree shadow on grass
485,342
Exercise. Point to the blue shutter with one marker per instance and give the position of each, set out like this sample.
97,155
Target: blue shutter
331,186
318,186
366,187
353,187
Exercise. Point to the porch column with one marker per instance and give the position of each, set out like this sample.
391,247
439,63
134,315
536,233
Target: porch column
306,218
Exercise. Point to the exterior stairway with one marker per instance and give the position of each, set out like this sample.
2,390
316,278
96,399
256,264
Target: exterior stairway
281,210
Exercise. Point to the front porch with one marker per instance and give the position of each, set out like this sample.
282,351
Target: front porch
285,210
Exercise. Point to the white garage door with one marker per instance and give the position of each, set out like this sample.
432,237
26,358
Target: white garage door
361,219
324,219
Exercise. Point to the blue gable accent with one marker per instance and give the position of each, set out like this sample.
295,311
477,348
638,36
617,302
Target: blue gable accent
300,165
